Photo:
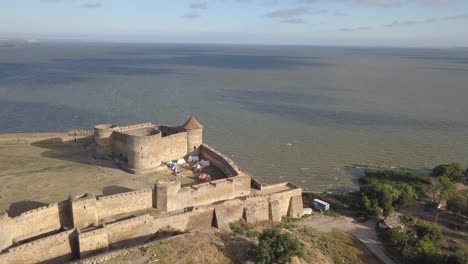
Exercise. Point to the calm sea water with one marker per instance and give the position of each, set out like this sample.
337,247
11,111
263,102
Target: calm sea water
299,114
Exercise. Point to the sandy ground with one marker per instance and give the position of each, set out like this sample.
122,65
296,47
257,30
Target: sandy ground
35,175
365,232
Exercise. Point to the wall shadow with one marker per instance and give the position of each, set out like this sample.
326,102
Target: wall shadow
20,207
114,189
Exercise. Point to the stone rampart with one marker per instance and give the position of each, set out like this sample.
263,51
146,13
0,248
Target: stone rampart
43,138
222,162
81,132
173,197
109,206
270,204
36,222
52,249
132,127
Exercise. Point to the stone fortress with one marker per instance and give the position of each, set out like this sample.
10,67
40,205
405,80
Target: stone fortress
86,224
141,148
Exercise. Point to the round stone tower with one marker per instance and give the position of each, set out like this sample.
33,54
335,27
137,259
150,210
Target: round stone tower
103,139
144,151
194,135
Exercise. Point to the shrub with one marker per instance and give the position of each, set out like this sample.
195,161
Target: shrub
433,232
452,170
276,247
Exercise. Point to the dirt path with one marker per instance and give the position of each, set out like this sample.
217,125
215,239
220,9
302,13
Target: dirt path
365,232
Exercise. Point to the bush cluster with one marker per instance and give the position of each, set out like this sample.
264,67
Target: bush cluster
276,247
419,243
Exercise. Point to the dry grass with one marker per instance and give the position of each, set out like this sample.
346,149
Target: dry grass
35,175
212,246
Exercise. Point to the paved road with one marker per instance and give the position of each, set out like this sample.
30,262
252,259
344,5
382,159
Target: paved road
365,232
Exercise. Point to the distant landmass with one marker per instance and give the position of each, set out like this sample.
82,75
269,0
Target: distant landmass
5,43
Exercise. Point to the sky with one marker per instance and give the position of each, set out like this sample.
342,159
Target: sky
295,22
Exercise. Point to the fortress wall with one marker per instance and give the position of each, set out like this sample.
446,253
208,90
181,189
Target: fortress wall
43,138
130,232
174,146
36,222
108,206
81,132
119,144
52,249
93,242
222,162
132,127
234,210
207,193
169,130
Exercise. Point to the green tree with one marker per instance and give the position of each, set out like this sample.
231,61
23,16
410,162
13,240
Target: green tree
427,230
386,200
424,251
458,204
448,188
441,189
276,247
407,197
452,170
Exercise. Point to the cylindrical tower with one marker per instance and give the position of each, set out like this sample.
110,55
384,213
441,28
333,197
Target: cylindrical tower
194,135
144,152
103,139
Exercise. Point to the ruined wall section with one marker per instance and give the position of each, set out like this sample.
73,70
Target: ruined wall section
174,146
52,249
112,205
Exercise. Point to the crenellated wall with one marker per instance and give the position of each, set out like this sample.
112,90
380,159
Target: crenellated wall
36,222
123,203
171,197
270,204
222,162
51,249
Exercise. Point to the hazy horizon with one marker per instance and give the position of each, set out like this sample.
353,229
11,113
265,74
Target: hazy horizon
414,23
